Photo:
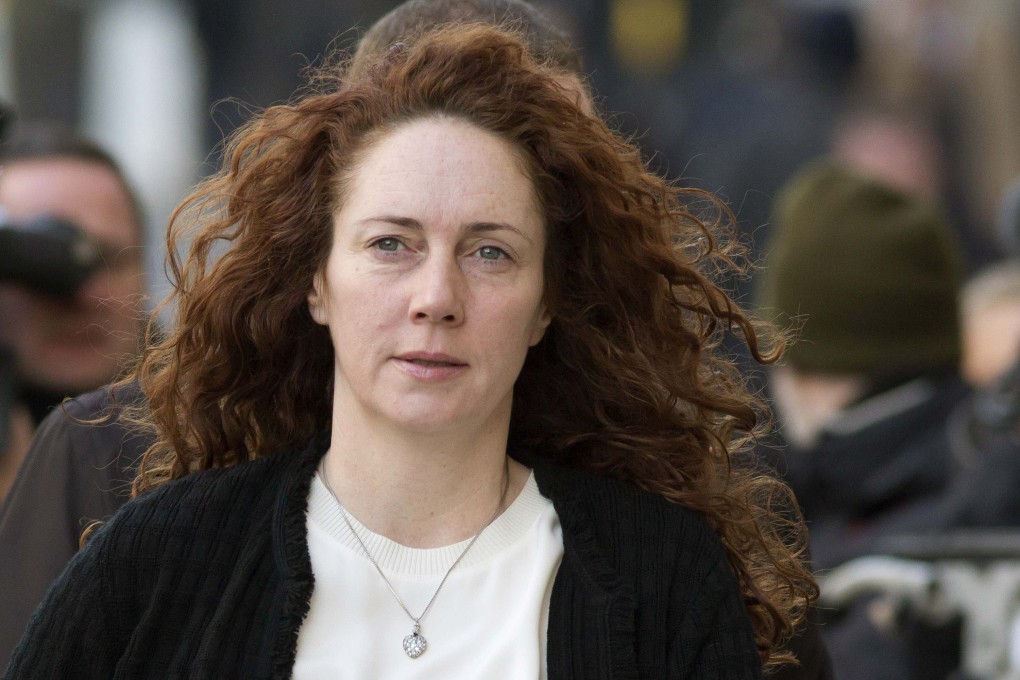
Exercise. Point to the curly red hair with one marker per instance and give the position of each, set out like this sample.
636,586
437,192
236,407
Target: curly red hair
627,381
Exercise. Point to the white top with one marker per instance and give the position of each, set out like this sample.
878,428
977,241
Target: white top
489,620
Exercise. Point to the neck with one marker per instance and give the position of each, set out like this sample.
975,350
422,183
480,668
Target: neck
808,402
422,491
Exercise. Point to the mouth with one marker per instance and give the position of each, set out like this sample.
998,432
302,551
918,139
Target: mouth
431,360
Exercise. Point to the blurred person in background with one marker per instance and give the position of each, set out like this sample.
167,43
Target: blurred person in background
62,344
954,62
871,275
990,311
899,148
990,304
986,426
980,507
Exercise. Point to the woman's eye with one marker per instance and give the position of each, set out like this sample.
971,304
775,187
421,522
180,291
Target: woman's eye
387,244
491,253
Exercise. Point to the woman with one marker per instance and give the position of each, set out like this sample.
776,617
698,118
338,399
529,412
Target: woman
446,406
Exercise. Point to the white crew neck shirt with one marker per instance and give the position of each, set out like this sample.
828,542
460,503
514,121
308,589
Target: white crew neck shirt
488,621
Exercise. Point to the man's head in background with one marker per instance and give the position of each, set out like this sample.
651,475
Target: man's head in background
68,344
543,37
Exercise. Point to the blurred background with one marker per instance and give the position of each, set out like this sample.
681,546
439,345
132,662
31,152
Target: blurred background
729,95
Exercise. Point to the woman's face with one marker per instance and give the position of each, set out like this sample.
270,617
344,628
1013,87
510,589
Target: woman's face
433,287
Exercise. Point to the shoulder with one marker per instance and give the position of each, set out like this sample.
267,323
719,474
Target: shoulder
103,402
97,411
75,468
88,430
660,565
219,504
629,523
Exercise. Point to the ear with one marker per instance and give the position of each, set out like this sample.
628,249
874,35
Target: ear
542,323
317,302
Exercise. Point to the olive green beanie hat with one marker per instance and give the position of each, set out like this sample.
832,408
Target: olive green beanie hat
870,274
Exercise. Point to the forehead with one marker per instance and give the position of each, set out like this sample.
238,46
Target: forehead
84,192
442,166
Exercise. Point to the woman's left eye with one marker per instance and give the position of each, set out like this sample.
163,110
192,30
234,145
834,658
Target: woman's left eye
388,244
492,253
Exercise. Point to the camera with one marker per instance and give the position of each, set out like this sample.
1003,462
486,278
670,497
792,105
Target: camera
46,254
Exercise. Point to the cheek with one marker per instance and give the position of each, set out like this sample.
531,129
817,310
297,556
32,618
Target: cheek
357,313
123,284
20,308
523,319
12,301
129,281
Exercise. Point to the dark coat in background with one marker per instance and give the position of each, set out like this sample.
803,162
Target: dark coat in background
74,473
883,469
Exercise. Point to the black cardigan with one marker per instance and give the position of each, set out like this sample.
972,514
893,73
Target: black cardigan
209,577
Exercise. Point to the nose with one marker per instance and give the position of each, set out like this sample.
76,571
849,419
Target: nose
439,290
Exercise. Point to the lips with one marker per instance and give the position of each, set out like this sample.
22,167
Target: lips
431,359
430,367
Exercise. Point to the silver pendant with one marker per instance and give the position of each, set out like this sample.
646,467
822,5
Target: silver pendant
415,644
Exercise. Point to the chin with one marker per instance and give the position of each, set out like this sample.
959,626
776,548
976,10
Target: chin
428,425
433,421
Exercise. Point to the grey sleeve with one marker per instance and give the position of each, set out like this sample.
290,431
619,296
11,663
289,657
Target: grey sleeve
71,634
73,473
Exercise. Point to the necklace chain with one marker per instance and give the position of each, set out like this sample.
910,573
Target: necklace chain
415,644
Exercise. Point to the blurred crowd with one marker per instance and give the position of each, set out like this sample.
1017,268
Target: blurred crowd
869,150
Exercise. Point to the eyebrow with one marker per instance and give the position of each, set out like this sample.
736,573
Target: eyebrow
474,227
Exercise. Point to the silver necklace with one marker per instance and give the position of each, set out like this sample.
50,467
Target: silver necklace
414,644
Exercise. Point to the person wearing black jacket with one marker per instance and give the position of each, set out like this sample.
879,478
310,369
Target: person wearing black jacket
867,390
